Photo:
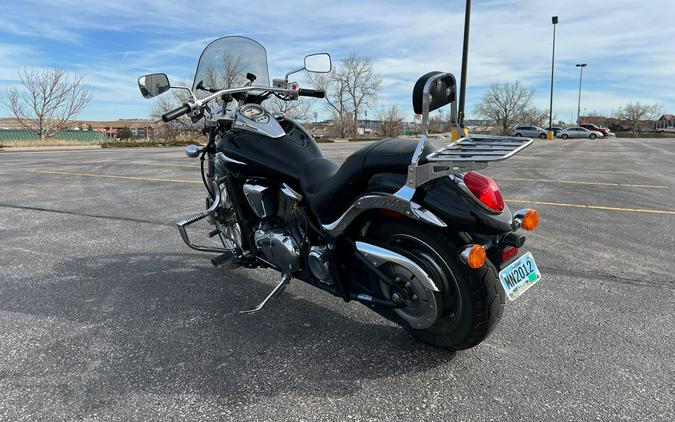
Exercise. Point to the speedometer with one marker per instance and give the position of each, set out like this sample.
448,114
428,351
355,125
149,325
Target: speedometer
253,112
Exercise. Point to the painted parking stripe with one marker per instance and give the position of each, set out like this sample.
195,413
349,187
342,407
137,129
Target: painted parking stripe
575,182
593,207
113,176
150,163
574,170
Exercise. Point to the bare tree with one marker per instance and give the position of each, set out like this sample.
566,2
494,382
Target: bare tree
350,87
636,112
361,83
506,105
48,101
164,104
534,117
392,122
334,85
296,110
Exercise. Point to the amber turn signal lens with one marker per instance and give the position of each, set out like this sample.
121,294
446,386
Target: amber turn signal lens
530,219
476,257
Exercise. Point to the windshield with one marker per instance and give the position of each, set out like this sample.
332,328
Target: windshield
225,62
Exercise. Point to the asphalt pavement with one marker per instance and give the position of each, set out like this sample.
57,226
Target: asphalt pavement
106,315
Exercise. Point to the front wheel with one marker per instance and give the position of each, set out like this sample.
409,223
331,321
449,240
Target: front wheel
565,136
470,302
592,136
542,136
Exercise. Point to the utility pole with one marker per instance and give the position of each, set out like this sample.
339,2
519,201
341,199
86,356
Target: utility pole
549,134
465,59
581,74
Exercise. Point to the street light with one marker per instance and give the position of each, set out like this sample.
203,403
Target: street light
549,134
581,74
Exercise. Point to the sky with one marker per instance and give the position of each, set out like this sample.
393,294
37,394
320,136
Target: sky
627,45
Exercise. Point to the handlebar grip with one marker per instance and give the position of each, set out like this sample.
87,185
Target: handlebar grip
174,114
316,93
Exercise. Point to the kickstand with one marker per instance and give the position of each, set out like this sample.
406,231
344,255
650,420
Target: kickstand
273,294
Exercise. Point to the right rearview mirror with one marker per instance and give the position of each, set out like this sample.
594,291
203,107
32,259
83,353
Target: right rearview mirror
318,63
153,85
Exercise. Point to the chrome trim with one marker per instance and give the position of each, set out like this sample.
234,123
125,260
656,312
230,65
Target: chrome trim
268,126
280,287
288,191
254,195
380,256
182,226
224,159
192,151
389,202
518,218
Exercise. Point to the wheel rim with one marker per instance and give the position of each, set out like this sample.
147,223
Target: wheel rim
428,306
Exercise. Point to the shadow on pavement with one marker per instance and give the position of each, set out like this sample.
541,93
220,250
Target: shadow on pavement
168,324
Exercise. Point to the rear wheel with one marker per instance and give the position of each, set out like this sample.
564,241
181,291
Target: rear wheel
470,302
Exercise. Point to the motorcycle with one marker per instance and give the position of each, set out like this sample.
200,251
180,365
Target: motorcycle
413,233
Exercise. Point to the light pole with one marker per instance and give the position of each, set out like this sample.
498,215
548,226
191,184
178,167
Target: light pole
549,134
581,74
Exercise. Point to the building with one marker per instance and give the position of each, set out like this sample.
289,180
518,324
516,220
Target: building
667,121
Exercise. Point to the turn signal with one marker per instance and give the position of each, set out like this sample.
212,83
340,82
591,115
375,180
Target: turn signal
530,219
474,256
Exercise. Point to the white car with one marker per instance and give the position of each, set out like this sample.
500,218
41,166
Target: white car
578,132
529,131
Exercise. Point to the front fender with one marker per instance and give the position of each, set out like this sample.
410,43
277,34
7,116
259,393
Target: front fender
447,200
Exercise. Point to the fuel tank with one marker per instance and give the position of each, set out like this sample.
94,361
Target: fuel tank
263,157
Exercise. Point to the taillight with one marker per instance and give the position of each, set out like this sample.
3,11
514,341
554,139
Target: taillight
485,189
508,253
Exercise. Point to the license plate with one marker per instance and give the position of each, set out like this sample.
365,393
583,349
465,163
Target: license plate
519,276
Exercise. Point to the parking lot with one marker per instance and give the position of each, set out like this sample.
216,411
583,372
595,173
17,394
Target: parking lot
106,314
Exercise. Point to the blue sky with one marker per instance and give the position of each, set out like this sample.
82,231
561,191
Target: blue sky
628,45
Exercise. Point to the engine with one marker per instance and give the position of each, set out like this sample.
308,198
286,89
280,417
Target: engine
278,236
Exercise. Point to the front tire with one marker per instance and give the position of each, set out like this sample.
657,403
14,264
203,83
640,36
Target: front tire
564,136
470,302
542,136
592,136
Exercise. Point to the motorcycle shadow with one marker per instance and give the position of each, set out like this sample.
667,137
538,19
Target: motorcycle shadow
167,324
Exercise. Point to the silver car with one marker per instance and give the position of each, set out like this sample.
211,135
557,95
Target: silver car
578,132
529,131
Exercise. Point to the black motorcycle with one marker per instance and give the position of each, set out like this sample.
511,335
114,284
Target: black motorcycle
412,232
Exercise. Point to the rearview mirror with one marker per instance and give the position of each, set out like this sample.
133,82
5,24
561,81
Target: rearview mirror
318,63
153,85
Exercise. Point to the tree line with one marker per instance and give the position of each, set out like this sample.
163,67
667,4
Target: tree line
47,100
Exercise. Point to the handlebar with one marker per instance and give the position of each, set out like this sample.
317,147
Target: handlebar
174,114
316,93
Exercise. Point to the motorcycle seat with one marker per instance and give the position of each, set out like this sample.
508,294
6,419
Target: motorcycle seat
330,188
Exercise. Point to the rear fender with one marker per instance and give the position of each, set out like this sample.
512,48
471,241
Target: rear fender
445,199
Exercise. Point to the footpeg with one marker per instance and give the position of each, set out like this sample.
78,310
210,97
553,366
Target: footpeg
221,259
273,294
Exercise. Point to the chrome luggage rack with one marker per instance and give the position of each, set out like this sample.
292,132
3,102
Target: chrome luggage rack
469,153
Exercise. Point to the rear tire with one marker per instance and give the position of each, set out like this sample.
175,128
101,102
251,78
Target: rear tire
470,302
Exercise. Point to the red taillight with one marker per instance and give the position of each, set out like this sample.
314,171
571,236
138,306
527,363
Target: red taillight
508,253
485,189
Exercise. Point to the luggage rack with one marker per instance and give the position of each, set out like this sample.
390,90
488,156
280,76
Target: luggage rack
480,149
469,153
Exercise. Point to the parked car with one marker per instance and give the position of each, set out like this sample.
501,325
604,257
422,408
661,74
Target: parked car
529,131
578,132
554,129
595,128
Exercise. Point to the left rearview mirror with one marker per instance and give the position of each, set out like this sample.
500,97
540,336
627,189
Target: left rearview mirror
318,63
153,85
